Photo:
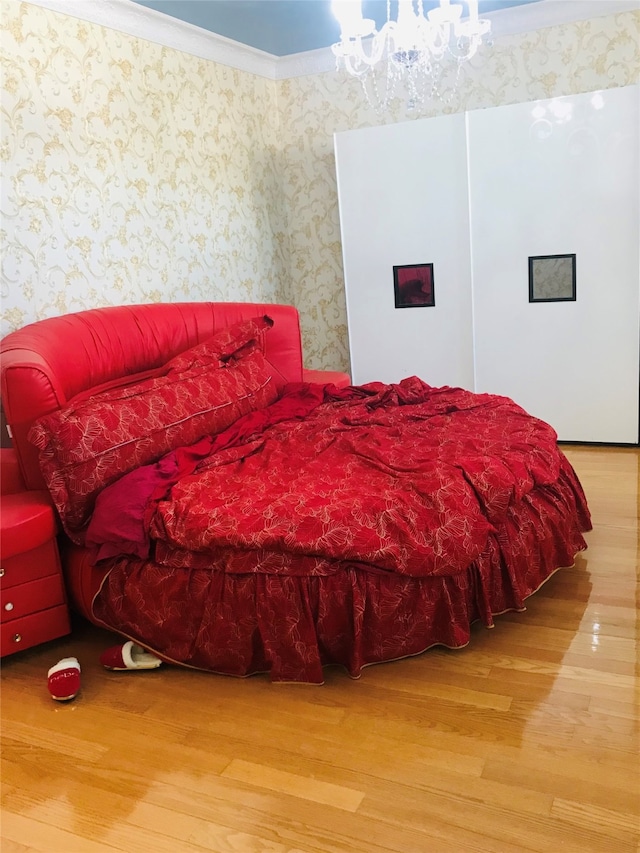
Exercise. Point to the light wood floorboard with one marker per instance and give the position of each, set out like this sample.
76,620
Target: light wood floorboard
526,740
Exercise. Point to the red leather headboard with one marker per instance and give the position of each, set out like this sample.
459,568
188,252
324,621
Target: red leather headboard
45,364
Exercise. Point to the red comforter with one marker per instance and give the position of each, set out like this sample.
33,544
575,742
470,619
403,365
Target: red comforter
402,481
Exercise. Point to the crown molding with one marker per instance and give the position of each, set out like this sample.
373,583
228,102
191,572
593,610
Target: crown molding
150,25
304,64
139,21
550,13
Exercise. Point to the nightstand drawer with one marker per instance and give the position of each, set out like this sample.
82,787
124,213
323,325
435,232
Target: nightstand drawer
29,565
27,598
34,629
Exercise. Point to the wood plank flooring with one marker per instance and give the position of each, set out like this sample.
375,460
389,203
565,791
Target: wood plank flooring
527,740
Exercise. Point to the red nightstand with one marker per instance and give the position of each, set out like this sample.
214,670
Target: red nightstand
33,602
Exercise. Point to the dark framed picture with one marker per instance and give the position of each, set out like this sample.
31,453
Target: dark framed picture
552,278
413,286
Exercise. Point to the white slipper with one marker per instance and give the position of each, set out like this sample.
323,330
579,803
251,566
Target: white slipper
63,679
127,657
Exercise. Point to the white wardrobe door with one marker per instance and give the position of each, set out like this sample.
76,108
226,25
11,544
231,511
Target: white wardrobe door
403,199
559,177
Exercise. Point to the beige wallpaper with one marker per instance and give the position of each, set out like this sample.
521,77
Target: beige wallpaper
131,173
134,173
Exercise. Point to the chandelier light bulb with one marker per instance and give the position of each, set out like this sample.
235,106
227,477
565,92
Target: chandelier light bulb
349,16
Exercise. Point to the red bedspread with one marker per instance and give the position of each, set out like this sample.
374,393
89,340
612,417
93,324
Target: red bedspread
397,486
386,481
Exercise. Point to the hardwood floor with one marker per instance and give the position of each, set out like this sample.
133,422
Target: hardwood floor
527,740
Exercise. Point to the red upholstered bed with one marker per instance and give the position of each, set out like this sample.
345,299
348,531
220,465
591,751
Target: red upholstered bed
232,512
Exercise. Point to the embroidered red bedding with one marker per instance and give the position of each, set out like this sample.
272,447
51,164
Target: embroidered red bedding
383,490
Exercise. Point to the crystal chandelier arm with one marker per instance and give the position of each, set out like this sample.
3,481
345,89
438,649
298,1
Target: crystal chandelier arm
356,58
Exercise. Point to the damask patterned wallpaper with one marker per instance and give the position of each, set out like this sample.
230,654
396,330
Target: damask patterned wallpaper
135,173
131,173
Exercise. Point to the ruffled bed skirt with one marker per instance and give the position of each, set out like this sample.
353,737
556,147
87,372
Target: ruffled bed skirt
292,626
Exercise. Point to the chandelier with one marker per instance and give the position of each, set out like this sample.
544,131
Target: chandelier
412,57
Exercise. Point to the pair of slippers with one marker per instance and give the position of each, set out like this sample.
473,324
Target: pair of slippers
63,679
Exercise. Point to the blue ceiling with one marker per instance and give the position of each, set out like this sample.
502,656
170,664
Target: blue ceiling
283,27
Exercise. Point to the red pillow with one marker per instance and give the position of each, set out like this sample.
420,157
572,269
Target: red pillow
92,441
232,342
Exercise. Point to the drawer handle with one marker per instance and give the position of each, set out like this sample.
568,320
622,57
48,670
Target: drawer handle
1,573
8,606
17,638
